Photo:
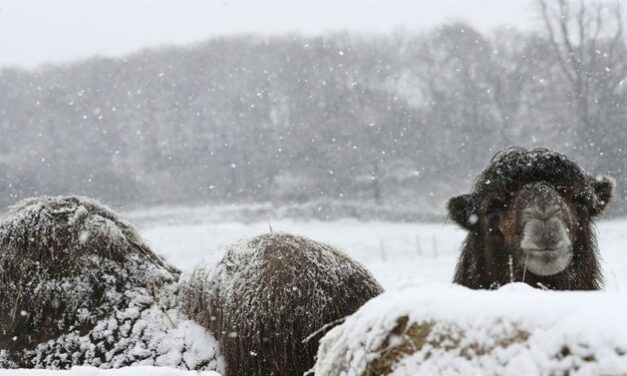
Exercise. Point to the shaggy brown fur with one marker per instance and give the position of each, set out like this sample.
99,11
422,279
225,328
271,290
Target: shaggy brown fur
68,265
266,297
494,214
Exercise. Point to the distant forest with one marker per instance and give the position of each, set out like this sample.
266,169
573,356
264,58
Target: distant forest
399,119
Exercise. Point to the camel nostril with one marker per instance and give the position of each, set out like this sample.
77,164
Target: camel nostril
548,241
545,234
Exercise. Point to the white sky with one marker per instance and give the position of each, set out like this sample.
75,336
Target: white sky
34,32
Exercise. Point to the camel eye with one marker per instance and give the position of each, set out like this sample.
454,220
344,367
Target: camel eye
495,207
580,205
493,217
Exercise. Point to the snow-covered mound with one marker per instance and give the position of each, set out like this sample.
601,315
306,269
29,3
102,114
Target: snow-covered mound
270,298
78,286
91,371
517,330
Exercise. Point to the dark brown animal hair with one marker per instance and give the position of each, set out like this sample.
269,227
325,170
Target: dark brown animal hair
78,286
530,218
270,298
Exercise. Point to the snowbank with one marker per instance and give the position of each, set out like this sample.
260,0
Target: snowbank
90,371
517,330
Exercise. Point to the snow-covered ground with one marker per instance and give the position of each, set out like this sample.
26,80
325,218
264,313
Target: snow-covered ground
398,254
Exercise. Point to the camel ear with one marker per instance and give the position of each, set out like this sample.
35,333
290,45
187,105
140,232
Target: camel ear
604,187
462,210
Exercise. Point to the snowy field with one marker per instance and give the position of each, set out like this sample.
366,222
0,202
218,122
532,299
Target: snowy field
398,254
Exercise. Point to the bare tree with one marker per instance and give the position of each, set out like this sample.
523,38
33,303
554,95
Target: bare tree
588,43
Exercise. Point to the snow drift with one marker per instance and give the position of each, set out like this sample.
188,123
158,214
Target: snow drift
516,330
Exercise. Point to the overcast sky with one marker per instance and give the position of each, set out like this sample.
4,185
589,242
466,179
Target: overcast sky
34,32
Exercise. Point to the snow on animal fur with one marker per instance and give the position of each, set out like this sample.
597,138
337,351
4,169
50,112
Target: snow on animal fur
78,286
270,298
529,218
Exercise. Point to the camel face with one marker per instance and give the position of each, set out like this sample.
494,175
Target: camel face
529,218
538,227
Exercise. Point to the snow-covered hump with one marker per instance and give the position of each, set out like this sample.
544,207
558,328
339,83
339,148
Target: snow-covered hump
78,286
269,298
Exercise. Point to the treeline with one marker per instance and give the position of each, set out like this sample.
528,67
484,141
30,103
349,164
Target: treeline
393,119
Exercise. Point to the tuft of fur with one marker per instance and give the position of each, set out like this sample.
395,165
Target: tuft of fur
512,168
481,266
78,286
271,298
